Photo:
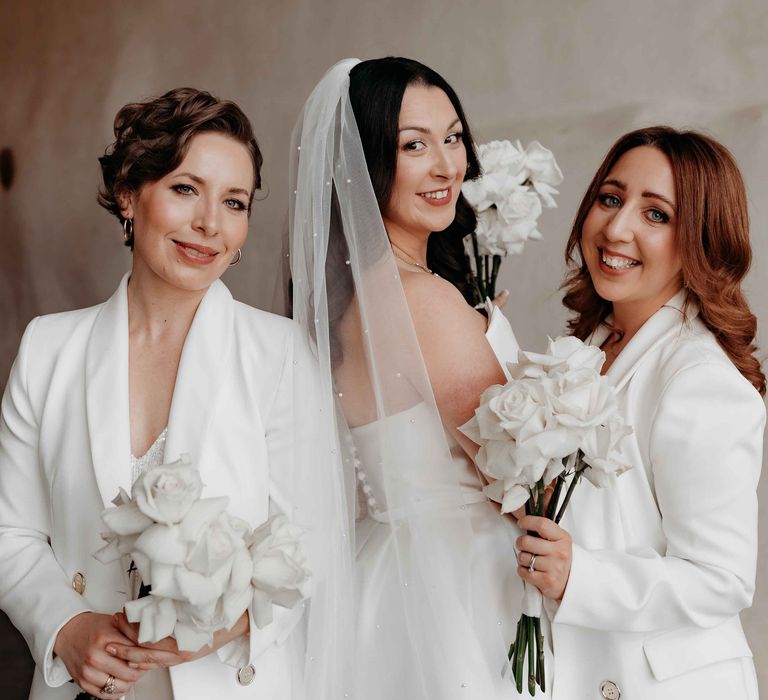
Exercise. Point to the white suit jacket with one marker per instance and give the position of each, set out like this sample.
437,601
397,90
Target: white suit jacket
64,451
664,560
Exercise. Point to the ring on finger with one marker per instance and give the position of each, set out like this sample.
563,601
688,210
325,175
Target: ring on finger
531,563
109,687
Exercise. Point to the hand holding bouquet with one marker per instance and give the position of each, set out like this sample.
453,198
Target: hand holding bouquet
556,418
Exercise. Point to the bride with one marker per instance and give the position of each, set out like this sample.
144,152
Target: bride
381,283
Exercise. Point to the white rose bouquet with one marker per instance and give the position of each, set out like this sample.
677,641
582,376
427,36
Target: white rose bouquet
508,199
556,418
203,567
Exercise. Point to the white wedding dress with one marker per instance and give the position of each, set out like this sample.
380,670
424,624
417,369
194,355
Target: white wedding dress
385,670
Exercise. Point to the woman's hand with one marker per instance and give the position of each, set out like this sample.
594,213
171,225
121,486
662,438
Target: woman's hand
81,645
501,298
553,550
166,652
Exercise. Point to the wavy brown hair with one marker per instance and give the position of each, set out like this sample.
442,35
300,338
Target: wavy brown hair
713,238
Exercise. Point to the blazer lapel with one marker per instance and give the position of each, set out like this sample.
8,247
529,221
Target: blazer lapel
659,329
106,393
204,361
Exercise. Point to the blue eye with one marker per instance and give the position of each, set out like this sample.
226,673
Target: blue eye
184,189
236,204
609,200
657,216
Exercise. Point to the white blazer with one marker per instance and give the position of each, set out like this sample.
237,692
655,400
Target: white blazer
664,560
65,451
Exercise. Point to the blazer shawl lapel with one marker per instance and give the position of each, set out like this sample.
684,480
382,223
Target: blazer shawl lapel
658,330
106,392
202,369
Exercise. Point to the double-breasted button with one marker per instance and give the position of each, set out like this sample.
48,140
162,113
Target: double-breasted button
78,583
246,674
609,690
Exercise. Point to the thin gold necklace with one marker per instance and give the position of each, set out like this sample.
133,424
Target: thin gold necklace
412,261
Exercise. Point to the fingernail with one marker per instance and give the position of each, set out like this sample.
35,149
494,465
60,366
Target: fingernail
504,292
112,650
132,665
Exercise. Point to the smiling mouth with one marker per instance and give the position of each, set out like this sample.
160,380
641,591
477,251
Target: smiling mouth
436,195
617,262
196,251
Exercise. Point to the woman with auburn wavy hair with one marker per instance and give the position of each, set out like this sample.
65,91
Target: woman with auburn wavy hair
645,580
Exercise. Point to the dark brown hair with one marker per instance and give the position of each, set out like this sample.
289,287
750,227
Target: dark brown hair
713,238
376,89
152,138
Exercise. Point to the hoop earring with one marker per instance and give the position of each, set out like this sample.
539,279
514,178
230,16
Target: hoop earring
127,229
238,257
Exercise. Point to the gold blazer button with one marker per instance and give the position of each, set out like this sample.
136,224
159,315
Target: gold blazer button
246,675
78,583
609,690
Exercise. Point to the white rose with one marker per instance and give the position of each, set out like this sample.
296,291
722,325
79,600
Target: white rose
520,409
217,562
502,157
280,574
125,522
543,171
489,233
156,617
499,236
524,462
165,493
563,354
576,353
602,451
583,400
522,206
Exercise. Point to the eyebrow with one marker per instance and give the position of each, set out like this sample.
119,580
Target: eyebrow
647,193
200,181
425,130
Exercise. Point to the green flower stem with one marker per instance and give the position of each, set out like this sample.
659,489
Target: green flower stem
531,658
555,498
494,275
580,467
520,645
540,654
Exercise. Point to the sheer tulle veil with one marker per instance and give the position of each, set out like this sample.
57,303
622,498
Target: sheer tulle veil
348,299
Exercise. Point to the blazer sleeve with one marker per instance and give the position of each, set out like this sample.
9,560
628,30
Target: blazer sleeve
705,455
35,592
291,430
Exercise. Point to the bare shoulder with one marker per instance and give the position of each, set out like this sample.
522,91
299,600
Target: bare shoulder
438,307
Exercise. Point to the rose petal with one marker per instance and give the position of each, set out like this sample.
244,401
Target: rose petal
197,589
189,638
261,609
161,544
233,604
199,515
126,519
134,608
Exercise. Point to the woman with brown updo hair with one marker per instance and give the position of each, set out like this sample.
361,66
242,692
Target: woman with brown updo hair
644,580
171,364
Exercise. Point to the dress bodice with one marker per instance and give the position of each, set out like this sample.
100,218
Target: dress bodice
412,445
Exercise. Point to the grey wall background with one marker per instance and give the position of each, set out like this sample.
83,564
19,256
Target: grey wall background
574,74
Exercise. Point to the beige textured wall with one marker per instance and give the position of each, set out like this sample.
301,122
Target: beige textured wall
574,75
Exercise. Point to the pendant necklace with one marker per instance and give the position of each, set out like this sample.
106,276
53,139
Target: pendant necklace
409,259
